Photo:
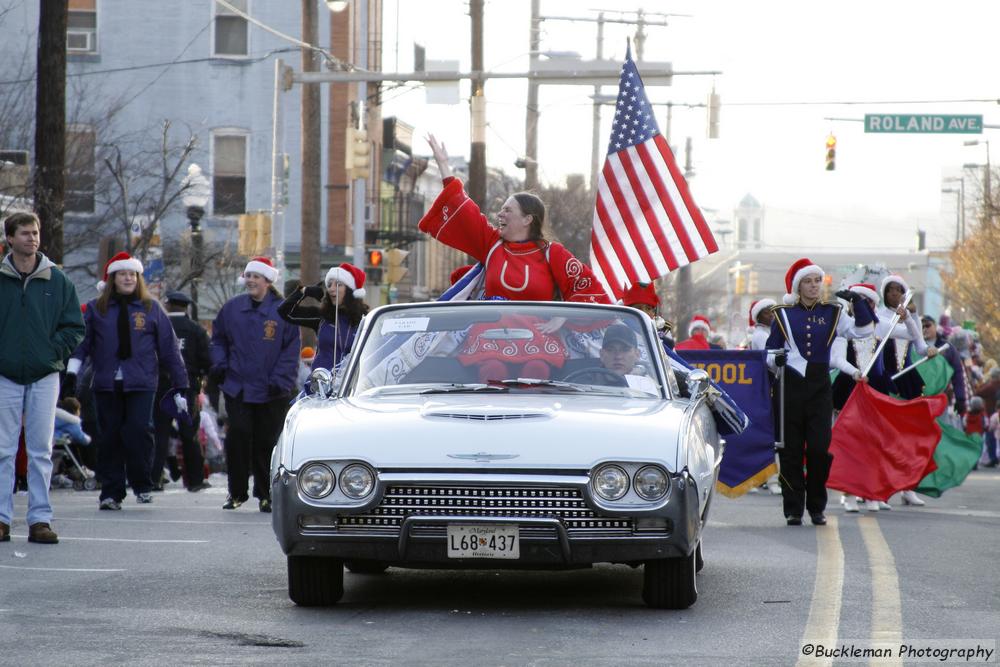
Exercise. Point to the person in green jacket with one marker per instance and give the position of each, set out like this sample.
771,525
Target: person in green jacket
40,326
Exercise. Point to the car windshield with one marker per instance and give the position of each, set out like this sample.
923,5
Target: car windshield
506,347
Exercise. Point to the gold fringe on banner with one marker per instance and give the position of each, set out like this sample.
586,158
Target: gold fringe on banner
751,483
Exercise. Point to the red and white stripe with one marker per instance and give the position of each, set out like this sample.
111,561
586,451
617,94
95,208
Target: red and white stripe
646,223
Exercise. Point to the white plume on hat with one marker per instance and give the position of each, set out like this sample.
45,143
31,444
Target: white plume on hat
888,280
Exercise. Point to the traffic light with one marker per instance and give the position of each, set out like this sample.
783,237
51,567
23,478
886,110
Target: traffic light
752,283
395,271
373,267
827,286
357,153
831,152
740,286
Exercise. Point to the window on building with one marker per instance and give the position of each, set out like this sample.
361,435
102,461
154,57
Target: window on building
229,174
81,173
232,31
81,28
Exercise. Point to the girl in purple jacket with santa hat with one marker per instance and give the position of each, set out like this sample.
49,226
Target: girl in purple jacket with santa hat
338,316
128,340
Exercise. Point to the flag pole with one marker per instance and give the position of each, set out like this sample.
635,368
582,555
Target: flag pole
781,401
922,361
892,325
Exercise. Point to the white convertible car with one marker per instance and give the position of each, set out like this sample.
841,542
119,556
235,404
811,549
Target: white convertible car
437,450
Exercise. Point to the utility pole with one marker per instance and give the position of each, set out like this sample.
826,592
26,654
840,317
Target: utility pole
531,112
310,141
685,287
477,152
595,136
359,186
49,183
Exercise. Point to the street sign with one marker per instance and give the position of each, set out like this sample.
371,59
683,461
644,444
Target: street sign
919,123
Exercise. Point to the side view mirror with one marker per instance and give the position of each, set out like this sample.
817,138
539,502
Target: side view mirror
321,383
697,382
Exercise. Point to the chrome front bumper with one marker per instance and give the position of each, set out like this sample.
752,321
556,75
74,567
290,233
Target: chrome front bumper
576,533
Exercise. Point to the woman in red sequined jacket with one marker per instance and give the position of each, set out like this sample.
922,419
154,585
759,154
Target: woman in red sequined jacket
519,265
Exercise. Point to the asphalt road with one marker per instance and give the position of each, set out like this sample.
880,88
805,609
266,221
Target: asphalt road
183,582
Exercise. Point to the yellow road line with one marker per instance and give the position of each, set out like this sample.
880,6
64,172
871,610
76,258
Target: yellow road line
828,592
887,614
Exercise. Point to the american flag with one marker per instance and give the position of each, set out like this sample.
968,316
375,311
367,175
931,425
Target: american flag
645,222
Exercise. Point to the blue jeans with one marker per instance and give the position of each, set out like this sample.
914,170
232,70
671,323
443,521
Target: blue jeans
991,446
34,405
125,449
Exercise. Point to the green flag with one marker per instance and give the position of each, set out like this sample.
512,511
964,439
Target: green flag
936,374
955,456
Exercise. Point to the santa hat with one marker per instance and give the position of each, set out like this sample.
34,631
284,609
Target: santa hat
796,272
757,306
120,262
457,274
888,280
261,266
866,290
699,322
641,294
349,275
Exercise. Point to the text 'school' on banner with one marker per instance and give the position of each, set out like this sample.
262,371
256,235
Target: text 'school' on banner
749,457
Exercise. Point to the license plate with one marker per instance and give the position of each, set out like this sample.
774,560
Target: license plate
483,542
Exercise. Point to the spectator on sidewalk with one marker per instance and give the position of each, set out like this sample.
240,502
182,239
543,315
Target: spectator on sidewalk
40,325
993,437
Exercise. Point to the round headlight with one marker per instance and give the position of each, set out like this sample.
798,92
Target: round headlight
651,483
316,480
357,481
610,482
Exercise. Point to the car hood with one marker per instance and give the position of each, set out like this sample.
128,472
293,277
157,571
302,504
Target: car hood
494,432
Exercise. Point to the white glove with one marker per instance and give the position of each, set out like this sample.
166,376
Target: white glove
181,403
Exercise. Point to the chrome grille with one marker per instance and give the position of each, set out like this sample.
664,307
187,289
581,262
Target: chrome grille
402,501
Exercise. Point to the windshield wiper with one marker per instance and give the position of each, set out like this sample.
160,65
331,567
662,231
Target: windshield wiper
529,383
461,387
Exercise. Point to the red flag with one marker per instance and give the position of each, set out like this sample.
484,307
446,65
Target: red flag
882,445
646,223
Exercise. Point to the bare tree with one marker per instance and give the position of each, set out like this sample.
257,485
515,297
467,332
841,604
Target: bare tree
569,215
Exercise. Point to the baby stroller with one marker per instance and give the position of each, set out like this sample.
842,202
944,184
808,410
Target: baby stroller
83,478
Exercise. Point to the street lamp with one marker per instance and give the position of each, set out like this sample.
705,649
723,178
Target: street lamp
196,190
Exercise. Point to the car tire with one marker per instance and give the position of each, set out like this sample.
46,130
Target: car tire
699,558
315,581
366,566
669,583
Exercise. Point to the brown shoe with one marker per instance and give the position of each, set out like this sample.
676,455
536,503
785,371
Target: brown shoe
4,532
42,534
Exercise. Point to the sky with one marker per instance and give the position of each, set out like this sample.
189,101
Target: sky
787,67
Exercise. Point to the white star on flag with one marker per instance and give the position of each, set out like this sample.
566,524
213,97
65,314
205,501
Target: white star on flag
646,223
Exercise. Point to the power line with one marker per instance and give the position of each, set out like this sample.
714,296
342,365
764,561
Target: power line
991,100
134,68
